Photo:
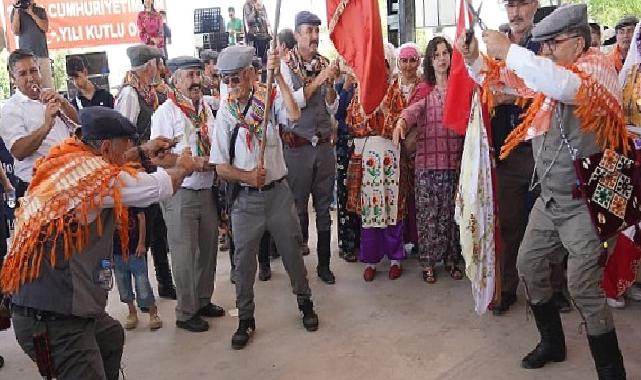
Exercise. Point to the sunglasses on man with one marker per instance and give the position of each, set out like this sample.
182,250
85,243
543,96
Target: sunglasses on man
233,78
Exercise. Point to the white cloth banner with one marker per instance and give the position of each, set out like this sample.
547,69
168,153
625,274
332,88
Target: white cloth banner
475,210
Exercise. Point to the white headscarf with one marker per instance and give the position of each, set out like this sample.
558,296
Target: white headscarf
633,58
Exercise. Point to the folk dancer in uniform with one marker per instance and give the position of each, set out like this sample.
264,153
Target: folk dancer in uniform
59,269
191,215
576,112
263,200
310,156
137,101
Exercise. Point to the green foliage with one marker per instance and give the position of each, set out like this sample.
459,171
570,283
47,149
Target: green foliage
4,75
608,12
59,70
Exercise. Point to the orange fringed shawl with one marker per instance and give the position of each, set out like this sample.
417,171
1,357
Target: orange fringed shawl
598,102
68,185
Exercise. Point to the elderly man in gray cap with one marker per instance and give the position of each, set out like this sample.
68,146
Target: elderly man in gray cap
311,161
624,30
58,310
262,198
513,173
191,215
561,132
137,101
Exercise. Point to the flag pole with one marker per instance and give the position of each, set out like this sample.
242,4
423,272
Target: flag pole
270,81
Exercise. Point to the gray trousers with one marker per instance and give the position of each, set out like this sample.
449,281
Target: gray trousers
253,213
192,231
312,170
80,348
568,225
514,197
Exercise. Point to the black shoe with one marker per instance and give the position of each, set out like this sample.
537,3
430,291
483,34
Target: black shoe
607,356
167,291
310,319
551,348
265,273
350,257
305,251
211,311
507,300
326,275
241,337
195,324
561,302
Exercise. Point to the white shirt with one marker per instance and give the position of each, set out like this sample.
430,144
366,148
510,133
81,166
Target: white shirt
141,191
169,121
539,74
127,104
21,117
245,158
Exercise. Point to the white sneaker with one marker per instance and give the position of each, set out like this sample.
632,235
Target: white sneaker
634,293
616,303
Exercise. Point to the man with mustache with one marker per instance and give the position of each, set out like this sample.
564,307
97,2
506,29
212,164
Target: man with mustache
192,225
30,125
137,101
513,173
624,31
309,154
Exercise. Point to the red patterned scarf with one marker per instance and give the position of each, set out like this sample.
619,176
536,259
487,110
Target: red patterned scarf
198,121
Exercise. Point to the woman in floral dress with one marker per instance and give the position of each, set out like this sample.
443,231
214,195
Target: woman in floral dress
382,200
150,26
438,159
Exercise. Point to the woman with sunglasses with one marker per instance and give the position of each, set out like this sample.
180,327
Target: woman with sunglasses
438,158
413,89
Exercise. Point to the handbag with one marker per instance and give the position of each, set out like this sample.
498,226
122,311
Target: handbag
610,183
355,181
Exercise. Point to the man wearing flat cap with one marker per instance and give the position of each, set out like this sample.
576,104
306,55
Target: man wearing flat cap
191,216
59,284
624,30
513,174
137,101
262,200
310,156
563,124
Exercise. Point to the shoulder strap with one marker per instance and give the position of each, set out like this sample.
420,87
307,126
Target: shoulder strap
234,134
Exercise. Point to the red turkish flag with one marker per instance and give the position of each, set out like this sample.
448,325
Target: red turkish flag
458,102
356,32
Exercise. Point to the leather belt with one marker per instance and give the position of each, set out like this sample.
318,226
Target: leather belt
40,315
266,187
292,140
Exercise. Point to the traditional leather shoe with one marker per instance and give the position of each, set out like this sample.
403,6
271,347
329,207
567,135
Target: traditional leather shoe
211,311
246,328
195,324
551,347
310,319
562,302
507,300
326,275
395,272
369,274
167,291
265,273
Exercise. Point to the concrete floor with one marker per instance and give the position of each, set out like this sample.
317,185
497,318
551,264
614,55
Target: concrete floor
401,329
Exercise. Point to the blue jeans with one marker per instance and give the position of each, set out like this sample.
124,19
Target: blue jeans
136,267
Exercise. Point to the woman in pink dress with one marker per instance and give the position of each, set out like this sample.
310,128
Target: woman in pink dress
150,26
